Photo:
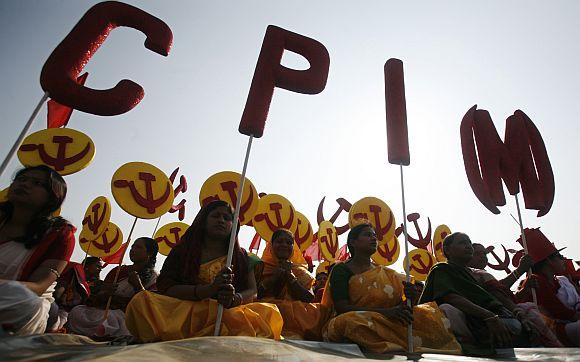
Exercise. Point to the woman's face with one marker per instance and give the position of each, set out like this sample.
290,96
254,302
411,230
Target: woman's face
138,252
30,188
461,250
219,223
557,263
366,243
283,246
479,259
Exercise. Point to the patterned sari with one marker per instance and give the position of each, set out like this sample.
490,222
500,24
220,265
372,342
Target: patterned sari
382,287
154,317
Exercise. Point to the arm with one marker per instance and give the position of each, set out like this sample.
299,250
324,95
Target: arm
298,292
45,275
466,306
525,264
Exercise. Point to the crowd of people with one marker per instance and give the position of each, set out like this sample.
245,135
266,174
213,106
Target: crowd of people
461,308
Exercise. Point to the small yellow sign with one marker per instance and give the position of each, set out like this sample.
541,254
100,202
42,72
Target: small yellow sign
274,212
328,241
170,235
387,253
96,219
303,235
421,263
440,233
64,150
105,245
142,190
376,212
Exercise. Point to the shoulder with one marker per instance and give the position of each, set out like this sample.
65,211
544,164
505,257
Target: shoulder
341,269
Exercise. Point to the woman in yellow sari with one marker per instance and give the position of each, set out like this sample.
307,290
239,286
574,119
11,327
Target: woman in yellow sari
287,283
194,280
368,299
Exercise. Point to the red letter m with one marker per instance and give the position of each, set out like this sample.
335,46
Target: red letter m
521,160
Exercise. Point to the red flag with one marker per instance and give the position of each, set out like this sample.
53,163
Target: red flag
59,114
313,251
116,258
255,244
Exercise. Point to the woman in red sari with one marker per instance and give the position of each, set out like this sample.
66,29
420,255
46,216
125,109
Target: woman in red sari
35,247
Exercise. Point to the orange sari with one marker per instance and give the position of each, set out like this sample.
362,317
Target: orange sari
153,317
382,287
301,320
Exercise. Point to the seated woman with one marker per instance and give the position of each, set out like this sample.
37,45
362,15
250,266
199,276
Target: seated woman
527,313
368,299
286,283
35,247
89,320
194,280
75,286
557,297
478,319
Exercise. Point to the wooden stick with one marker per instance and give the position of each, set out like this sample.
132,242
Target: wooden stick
534,297
23,133
407,272
87,253
119,269
220,311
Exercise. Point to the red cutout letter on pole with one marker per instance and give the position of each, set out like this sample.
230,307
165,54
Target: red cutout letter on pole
397,134
522,159
270,73
68,59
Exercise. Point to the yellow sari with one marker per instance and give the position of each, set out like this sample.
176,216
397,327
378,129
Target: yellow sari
382,287
153,317
301,320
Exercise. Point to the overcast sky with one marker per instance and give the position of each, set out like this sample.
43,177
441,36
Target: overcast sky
500,55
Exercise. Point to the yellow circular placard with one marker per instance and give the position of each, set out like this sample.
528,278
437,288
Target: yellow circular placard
387,253
63,149
105,245
303,235
323,267
378,213
224,186
96,219
327,240
170,235
142,190
274,212
440,233
421,263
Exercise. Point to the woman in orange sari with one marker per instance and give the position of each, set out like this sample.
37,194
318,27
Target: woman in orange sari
194,280
368,299
287,283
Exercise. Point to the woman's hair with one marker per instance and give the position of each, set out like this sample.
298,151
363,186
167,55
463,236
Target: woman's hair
280,232
43,220
450,239
194,238
354,233
537,267
152,248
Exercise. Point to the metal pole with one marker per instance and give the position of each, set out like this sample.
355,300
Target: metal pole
407,273
534,297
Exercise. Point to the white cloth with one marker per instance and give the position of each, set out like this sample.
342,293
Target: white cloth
567,293
21,310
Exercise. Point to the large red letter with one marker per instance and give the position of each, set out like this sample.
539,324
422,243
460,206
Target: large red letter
270,73
68,59
397,137
522,159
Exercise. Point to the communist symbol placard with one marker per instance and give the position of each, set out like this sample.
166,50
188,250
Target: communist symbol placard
440,233
107,244
274,212
303,235
142,190
387,253
63,149
96,219
421,263
328,240
378,213
224,186
170,235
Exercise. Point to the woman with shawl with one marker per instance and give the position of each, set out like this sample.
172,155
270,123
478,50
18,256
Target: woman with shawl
287,283
194,280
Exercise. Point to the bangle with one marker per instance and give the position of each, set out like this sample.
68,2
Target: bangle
239,299
55,272
490,318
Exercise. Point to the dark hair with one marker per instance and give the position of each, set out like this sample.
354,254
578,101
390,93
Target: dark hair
92,260
279,232
152,248
43,220
193,240
450,239
354,233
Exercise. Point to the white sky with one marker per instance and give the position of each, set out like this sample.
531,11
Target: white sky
501,55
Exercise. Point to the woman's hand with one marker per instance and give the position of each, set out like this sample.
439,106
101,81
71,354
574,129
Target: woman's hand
223,278
225,295
411,292
402,313
499,332
526,263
